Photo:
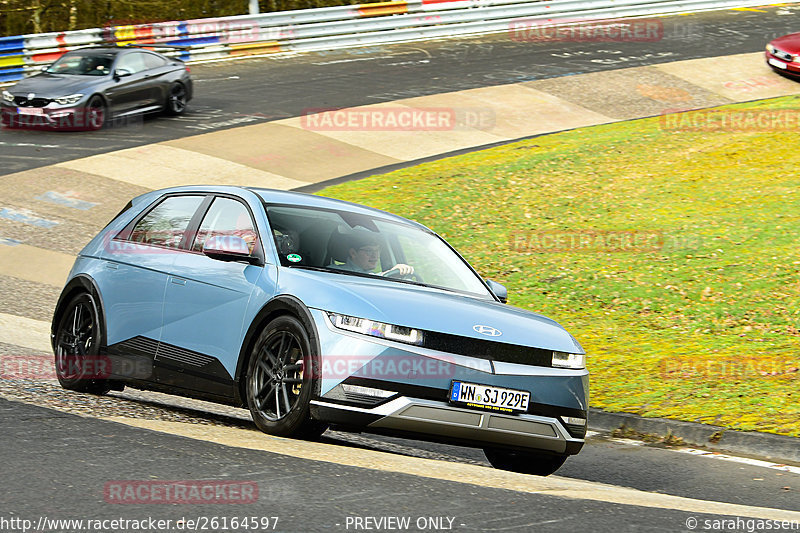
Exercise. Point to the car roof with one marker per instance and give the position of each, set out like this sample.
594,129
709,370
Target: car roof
297,199
100,50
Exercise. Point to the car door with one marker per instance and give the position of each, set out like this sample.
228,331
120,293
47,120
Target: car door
158,76
134,277
132,89
205,305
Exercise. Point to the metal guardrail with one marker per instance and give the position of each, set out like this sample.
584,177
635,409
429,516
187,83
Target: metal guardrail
335,27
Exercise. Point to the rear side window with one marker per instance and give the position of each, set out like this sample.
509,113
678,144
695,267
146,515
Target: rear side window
165,224
225,218
132,62
153,61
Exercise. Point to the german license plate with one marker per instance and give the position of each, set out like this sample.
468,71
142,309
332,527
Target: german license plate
487,397
30,111
775,63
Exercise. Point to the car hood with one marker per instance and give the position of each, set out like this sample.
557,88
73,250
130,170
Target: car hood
52,85
424,308
788,43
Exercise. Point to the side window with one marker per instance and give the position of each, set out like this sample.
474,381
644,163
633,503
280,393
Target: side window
153,61
132,62
165,225
226,217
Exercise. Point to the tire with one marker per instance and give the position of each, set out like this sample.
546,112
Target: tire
77,342
176,100
95,114
538,464
279,385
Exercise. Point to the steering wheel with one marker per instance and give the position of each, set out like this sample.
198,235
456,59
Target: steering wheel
395,273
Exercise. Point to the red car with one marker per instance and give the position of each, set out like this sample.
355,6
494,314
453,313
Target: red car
783,54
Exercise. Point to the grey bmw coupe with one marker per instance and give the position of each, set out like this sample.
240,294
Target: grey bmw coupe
85,88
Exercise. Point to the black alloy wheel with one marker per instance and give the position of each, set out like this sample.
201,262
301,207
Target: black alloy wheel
281,379
79,366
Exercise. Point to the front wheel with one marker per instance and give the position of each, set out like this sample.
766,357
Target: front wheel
281,379
77,343
538,464
95,114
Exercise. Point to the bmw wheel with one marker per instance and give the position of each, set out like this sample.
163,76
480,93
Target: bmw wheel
539,464
77,343
281,379
176,100
95,114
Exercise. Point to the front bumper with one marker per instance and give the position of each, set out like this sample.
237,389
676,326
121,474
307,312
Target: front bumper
43,117
413,386
433,420
791,68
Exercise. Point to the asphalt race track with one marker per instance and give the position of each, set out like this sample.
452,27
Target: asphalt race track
64,452
232,94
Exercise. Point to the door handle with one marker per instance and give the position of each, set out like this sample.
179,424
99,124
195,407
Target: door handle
112,266
178,281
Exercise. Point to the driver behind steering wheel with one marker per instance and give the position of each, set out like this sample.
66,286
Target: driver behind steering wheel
363,255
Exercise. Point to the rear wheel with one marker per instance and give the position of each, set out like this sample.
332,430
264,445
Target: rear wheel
176,100
95,114
281,379
538,464
77,343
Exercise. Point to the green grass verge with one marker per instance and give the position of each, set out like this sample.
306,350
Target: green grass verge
699,320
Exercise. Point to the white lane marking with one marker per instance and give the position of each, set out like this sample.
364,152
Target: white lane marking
590,434
3,143
740,460
25,332
347,60
217,79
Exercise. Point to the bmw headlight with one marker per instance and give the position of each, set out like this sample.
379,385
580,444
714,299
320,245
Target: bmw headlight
7,96
575,361
376,329
69,100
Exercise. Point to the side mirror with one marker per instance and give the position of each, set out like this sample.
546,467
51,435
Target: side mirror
121,73
499,290
229,248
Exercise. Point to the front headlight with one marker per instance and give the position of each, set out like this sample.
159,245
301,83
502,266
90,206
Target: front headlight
376,329
7,96
69,100
796,58
569,360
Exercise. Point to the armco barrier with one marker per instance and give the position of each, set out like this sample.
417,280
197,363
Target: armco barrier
333,27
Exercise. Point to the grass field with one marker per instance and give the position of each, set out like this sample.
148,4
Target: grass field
671,255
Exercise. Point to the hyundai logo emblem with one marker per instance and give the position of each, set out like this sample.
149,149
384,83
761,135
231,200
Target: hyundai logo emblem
31,96
487,330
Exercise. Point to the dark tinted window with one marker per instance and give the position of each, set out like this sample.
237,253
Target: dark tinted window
165,224
82,64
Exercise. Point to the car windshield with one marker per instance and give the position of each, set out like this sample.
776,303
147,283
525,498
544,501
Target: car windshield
83,64
362,245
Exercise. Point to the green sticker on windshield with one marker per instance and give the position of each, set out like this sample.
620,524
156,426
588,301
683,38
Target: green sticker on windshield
294,258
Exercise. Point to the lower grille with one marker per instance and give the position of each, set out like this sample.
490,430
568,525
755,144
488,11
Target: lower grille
24,101
786,56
